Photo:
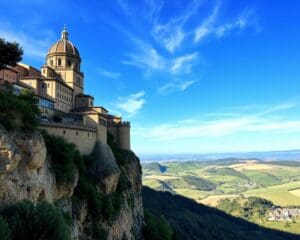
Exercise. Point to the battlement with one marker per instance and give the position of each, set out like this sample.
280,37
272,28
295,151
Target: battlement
118,124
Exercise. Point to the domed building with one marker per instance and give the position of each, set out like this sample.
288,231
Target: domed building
60,89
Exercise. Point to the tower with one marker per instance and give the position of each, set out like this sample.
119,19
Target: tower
64,58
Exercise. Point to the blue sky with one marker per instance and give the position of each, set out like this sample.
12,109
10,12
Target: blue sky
192,76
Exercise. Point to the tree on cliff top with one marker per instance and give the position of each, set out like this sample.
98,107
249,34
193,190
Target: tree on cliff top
10,53
18,111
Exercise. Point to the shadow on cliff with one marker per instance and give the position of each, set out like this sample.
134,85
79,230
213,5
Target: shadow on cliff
193,221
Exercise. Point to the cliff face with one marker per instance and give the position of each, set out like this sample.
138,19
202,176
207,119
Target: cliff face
25,173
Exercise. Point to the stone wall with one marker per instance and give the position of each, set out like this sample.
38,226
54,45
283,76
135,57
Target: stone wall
121,134
83,137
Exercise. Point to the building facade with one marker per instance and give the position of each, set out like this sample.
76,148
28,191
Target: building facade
66,110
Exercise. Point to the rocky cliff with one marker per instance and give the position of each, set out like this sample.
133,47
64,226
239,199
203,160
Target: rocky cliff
26,173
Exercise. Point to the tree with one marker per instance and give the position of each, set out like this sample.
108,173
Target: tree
10,53
18,111
35,222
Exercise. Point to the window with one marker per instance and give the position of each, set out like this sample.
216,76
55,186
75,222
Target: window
64,131
76,133
69,63
59,62
51,62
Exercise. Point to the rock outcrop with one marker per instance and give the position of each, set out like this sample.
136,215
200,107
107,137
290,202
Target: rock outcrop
25,173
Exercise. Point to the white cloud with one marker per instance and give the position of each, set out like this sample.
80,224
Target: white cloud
174,40
32,47
146,58
175,86
245,19
171,34
132,103
183,62
108,74
206,27
209,26
229,124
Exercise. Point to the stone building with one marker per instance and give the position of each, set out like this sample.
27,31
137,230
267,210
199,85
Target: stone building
66,110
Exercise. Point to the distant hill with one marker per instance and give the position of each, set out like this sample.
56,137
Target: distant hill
193,221
269,155
155,167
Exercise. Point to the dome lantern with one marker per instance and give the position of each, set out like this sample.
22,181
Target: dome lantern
65,33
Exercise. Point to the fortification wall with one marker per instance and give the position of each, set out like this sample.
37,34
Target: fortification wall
83,137
121,134
102,133
124,137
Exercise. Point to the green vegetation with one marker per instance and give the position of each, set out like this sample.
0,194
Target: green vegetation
281,194
193,221
98,232
25,220
4,230
63,158
66,162
157,228
18,111
210,182
10,53
250,208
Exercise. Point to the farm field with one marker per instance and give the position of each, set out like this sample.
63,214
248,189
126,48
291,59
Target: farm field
208,182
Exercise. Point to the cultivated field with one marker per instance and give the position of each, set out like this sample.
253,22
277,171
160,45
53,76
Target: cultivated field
209,182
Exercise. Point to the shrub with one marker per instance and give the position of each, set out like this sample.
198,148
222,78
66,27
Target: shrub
4,230
41,221
157,228
98,232
123,183
18,110
63,156
112,205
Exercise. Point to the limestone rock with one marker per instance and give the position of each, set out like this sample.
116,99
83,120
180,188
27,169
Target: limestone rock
104,168
25,171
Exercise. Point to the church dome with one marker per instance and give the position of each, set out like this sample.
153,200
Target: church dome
64,45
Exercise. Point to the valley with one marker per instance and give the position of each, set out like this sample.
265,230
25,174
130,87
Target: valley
209,182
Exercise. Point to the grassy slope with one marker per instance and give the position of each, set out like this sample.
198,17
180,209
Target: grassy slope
194,221
278,182
230,178
279,194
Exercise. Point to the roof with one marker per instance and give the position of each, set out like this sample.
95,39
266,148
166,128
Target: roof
64,45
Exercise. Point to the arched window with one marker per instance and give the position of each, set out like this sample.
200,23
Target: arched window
59,62
69,63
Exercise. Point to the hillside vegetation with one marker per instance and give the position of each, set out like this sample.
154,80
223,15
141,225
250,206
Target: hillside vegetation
193,221
209,182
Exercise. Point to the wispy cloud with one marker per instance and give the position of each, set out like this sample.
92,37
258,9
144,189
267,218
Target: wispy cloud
245,19
32,46
262,121
132,103
210,26
146,58
183,62
108,74
206,27
171,34
175,86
